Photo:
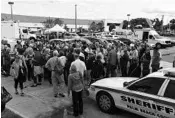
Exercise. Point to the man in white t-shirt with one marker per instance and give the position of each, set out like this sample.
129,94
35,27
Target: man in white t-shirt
80,65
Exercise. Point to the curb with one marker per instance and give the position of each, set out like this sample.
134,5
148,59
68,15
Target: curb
16,112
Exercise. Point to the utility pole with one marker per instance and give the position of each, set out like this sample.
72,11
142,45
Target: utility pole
75,18
162,23
128,20
11,4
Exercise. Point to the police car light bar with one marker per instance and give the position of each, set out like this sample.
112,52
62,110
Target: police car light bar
169,73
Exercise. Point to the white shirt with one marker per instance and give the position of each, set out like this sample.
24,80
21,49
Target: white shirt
80,65
63,60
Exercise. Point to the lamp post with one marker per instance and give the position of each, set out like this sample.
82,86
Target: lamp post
128,20
11,4
75,18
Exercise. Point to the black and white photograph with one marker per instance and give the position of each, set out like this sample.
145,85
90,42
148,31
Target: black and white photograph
87,58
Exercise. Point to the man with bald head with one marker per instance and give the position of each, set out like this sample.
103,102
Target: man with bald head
56,78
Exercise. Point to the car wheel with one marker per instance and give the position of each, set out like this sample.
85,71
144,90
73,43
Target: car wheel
105,102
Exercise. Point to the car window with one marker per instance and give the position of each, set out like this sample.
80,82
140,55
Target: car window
148,85
169,92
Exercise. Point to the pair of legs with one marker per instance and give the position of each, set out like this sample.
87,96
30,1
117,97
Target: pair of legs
17,82
124,70
37,76
111,69
37,80
30,72
58,84
77,103
155,67
47,75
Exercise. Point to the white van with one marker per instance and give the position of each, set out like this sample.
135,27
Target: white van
152,38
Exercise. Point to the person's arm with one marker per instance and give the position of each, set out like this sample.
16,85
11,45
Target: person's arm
160,55
85,72
47,65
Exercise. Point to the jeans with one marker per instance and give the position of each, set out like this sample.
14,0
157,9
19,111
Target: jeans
20,84
77,103
111,69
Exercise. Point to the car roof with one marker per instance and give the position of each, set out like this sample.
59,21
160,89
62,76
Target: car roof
164,73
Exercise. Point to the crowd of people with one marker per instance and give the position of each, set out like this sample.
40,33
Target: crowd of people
75,64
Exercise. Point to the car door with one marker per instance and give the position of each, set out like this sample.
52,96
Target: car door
166,102
140,96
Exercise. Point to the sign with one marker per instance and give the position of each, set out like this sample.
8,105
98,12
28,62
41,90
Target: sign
135,103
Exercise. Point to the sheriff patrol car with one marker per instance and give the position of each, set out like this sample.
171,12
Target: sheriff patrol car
152,96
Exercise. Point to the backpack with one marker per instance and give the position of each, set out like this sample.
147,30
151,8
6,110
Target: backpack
59,69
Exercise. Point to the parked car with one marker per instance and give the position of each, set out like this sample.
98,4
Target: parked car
151,96
125,40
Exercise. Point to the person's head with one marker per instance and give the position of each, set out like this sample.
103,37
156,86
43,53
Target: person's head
73,69
99,57
55,53
17,58
61,53
77,51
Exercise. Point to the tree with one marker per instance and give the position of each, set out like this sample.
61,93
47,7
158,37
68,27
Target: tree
65,27
49,23
93,27
172,21
2,19
80,29
157,24
111,27
58,21
172,25
139,21
125,24
100,26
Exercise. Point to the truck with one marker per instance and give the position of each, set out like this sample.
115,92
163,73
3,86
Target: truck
12,30
153,38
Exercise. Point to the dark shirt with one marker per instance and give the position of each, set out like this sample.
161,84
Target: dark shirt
97,69
38,59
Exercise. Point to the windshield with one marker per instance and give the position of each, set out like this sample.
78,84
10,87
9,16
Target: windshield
32,32
157,37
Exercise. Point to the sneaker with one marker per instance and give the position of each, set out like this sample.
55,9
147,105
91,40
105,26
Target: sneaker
39,84
22,94
16,93
61,94
55,95
34,85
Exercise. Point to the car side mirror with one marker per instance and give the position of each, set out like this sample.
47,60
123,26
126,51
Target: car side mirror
125,84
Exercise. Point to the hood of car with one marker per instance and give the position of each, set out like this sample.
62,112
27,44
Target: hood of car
114,82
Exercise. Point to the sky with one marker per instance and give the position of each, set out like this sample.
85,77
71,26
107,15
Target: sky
93,9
